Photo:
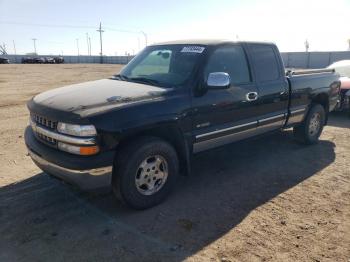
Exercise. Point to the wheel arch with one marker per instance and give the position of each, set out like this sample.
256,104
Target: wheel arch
323,100
170,133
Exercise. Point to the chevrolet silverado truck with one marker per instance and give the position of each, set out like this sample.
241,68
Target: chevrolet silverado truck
138,130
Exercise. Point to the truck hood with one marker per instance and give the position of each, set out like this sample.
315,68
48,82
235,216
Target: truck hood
96,96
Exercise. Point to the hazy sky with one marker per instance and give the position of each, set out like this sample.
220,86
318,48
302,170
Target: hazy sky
57,24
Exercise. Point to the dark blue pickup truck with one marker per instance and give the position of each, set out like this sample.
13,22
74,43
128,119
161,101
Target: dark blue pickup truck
137,131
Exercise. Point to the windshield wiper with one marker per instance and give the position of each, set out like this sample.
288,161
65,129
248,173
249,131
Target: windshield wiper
145,80
121,77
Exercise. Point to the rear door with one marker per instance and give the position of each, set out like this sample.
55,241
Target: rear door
272,86
222,116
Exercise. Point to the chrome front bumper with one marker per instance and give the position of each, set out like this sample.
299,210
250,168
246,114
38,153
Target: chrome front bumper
98,179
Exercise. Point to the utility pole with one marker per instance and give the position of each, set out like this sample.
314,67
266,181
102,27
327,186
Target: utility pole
101,31
349,44
14,47
34,40
145,35
78,46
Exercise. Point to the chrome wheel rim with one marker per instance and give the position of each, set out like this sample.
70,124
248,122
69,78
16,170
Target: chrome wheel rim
315,124
151,175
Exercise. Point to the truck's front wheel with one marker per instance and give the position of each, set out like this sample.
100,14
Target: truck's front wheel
145,172
310,130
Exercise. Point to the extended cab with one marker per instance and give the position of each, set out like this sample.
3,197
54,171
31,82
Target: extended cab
137,130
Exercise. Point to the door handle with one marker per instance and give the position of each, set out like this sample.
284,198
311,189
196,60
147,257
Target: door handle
251,96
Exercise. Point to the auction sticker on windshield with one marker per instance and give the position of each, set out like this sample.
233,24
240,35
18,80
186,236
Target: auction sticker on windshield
193,49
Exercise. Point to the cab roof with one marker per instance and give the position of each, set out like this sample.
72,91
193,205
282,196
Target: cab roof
208,42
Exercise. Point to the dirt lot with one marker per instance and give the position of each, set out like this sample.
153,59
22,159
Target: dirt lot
260,200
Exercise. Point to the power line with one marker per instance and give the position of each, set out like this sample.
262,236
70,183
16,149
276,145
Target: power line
79,27
44,25
67,26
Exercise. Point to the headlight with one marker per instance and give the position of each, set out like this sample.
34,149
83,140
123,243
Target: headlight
76,130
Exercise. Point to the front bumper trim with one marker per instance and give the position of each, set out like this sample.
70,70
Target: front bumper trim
89,180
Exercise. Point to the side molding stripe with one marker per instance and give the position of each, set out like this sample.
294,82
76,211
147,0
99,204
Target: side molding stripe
226,129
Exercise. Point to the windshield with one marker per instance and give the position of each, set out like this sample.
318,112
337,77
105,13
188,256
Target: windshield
165,65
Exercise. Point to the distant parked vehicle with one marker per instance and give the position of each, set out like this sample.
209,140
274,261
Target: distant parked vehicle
59,60
27,60
42,60
49,60
4,60
343,69
39,60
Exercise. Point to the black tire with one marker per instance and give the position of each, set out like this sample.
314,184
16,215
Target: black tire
303,132
127,165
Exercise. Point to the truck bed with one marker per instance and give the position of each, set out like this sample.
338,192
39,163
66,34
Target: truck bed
305,84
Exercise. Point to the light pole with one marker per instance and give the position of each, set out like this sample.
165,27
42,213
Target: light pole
90,45
87,41
145,35
14,47
78,45
34,40
307,45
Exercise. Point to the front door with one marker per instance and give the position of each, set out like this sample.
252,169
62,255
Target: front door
222,116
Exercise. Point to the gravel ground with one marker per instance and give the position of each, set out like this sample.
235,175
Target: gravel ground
268,199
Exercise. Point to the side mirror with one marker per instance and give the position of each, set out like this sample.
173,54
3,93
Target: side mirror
218,80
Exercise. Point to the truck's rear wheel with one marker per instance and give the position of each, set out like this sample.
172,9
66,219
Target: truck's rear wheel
145,172
310,130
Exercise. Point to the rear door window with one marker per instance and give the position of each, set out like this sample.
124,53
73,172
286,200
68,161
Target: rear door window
265,63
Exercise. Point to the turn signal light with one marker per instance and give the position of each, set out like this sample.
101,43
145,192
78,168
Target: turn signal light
79,150
89,150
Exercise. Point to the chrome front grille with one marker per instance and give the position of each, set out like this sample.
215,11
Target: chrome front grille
51,137
46,123
46,139
43,121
